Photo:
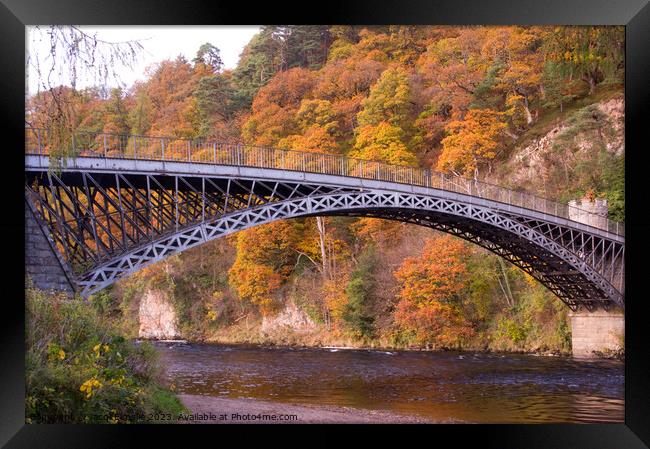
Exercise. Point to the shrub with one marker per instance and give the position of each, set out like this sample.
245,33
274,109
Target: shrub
79,370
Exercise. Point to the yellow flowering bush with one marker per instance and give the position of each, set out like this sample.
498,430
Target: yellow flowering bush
87,387
80,370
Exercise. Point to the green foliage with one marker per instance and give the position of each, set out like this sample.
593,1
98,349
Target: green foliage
485,95
209,55
614,186
593,54
389,100
216,99
556,93
79,370
358,290
513,330
278,48
597,169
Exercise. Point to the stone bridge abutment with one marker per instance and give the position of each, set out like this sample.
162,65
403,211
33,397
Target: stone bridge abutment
43,266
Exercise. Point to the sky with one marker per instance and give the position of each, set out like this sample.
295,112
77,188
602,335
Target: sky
159,42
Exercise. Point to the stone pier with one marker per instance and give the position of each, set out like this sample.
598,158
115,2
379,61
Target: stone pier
590,211
596,332
42,263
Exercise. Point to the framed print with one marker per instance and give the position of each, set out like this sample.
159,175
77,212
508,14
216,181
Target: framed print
390,214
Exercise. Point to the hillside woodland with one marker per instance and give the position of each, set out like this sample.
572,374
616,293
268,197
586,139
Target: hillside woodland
532,108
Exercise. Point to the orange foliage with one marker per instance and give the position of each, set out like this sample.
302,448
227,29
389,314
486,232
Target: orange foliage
379,230
254,282
452,68
274,107
264,261
335,298
316,139
472,141
429,287
286,89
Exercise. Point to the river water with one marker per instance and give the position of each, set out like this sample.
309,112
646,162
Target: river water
442,386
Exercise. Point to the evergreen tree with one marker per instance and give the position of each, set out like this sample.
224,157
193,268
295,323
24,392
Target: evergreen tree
209,55
355,312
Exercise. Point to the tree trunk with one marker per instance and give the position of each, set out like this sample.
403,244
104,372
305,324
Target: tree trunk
529,116
511,299
592,82
320,224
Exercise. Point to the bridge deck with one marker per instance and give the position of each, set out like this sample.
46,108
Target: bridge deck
140,152
123,165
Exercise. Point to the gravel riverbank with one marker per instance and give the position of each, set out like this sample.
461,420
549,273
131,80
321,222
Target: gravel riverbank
217,410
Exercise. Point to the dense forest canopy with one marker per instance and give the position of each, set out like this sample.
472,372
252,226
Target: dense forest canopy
456,99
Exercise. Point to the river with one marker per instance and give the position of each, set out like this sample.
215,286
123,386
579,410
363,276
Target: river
437,386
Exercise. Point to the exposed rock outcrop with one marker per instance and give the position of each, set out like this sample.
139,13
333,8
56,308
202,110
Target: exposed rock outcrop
566,143
290,317
157,316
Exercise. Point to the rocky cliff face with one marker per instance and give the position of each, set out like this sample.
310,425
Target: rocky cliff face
290,317
157,316
553,155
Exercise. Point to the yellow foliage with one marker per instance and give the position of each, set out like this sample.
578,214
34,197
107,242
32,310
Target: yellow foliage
315,139
382,142
88,386
335,298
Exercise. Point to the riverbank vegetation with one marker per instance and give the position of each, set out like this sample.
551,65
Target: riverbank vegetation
533,108
80,370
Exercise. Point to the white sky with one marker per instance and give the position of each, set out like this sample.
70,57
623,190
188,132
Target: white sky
159,42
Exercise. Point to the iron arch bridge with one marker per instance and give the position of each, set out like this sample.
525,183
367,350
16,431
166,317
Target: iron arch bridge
123,202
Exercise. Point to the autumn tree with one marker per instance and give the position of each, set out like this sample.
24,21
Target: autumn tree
275,106
472,142
516,62
381,135
389,100
263,262
170,89
317,112
430,289
383,142
452,69
72,56
317,127
315,139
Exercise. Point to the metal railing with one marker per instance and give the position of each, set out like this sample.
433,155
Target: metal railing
106,145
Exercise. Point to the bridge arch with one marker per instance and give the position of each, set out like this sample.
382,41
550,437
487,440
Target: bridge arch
109,216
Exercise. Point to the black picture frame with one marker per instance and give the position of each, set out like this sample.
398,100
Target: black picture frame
634,14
